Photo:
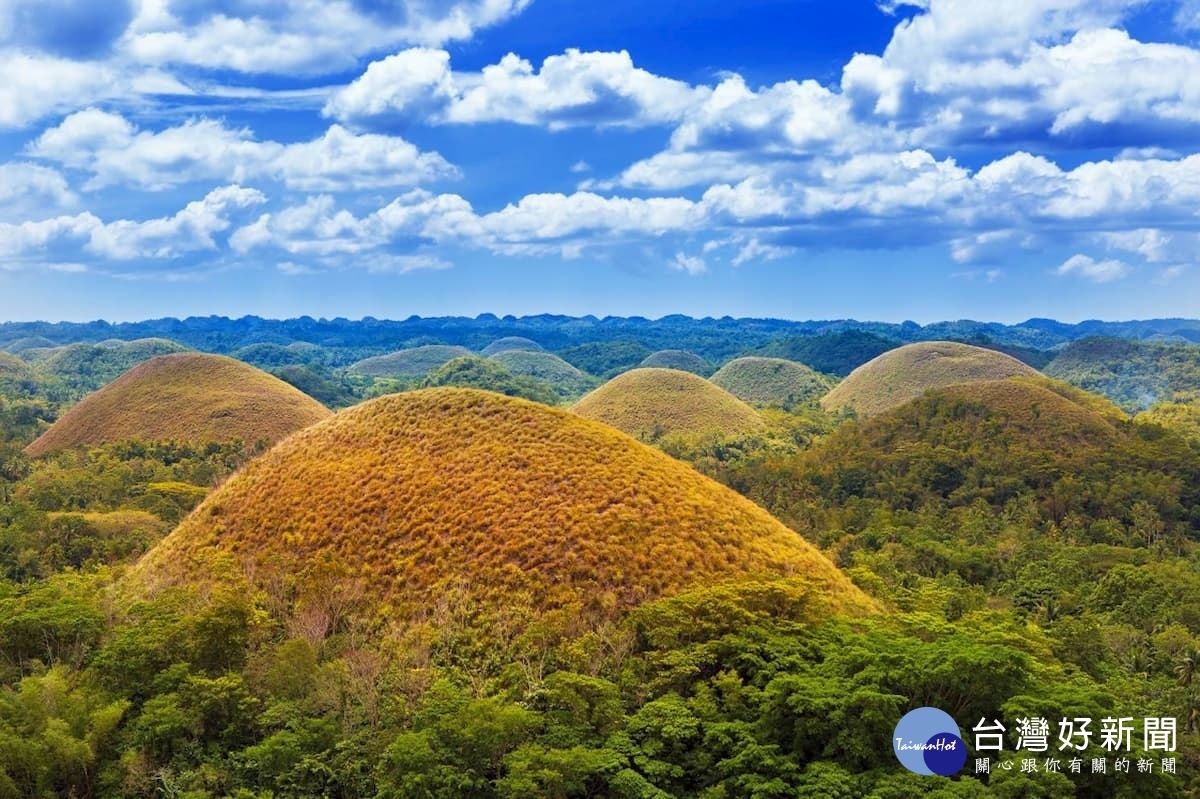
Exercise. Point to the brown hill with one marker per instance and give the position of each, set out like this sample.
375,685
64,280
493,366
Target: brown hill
647,403
503,502
907,372
185,397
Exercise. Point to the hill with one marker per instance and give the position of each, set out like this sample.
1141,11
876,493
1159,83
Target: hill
605,359
1133,374
907,372
16,378
567,381
512,343
677,359
770,381
502,503
647,403
474,371
185,397
83,368
1183,419
414,362
837,353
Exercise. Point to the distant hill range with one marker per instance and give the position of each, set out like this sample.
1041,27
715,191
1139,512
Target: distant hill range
715,340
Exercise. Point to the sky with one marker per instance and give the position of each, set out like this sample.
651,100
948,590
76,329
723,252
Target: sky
798,159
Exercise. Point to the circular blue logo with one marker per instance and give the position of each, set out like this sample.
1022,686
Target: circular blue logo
928,741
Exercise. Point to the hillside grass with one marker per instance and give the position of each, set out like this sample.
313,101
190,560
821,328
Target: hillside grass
512,344
83,368
414,362
650,403
677,359
185,397
567,381
907,372
771,381
497,502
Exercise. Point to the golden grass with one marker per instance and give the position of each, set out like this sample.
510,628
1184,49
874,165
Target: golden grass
185,397
770,381
647,403
908,372
413,362
461,492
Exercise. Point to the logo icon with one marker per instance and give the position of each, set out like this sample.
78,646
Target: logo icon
928,741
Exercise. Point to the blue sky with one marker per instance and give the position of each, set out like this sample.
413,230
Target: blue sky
930,159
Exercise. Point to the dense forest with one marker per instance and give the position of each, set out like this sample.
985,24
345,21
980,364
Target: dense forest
1033,550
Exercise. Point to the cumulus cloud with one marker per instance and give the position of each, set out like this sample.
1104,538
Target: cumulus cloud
29,190
1096,271
114,152
300,36
572,89
191,229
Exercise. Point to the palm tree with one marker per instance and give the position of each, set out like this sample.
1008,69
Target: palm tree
1185,667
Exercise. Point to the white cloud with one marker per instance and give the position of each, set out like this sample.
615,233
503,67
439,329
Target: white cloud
191,229
1096,271
33,87
300,36
116,153
691,264
572,89
29,190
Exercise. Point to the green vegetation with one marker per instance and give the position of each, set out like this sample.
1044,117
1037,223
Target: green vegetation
16,378
902,374
677,359
270,357
605,359
1183,419
831,353
415,362
512,344
488,375
184,397
568,382
1133,374
771,381
330,389
650,403
80,369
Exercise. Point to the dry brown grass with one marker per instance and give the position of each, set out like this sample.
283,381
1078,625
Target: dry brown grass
907,372
458,492
185,397
648,403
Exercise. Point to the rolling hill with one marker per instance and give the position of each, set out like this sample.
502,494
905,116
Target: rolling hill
185,397
647,403
86,367
908,372
770,381
1133,374
414,362
15,375
564,378
511,344
498,501
677,359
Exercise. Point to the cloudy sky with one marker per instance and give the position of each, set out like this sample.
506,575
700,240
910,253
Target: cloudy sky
929,159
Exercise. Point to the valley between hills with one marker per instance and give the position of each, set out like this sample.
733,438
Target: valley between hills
577,557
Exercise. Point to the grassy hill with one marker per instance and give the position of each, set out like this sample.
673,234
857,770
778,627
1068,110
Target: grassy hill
512,343
907,372
185,397
677,359
16,378
503,503
647,403
414,362
770,381
1133,374
474,371
1182,418
567,381
605,359
86,367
